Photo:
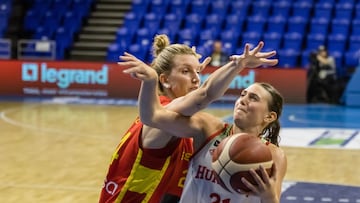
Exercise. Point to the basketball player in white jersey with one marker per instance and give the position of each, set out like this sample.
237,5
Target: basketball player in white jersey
257,111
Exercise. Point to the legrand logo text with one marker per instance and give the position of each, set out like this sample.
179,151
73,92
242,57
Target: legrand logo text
63,77
239,82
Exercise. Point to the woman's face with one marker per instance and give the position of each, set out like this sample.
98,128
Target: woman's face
184,76
251,109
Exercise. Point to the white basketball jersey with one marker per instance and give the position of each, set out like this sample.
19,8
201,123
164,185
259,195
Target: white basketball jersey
201,185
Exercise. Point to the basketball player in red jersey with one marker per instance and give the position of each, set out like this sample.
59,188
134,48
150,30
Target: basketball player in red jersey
147,168
257,111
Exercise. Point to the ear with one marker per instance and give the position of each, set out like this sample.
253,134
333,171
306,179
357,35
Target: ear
166,85
270,117
164,80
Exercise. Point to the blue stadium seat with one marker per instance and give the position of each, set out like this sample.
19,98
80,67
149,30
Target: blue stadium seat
326,1
234,22
229,48
170,33
82,7
56,3
178,7
43,32
140,51
194,21
139,6
347,1
143,36
206,36
357,11
323,10
354,43
64,40
152,22
204,50
187,36
72,22
340,26
293,41
4,17
51,21
214,22
172,22
304,58
260,7
276,24
200,7
229,36
313,41
272,41
132,21
319,25
252,38
255,24
352,55
336,42
281,8
113,52
344,10
351,59
288,58
124,37
297,24
307,1
219,7
240,8
42,3
355,27
302,8
158,6
339,61
61,6
32,20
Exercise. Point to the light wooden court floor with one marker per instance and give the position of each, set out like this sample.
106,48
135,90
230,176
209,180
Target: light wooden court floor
59,153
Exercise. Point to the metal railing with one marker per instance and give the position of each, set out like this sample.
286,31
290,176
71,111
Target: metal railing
36,49
5,49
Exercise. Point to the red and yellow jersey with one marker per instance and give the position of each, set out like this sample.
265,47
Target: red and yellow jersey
146,175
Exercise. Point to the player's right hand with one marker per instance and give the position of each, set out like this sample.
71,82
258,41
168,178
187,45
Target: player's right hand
136,68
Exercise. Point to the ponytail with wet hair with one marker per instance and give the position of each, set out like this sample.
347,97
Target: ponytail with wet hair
271,132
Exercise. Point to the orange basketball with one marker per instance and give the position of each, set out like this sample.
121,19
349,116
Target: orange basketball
235,155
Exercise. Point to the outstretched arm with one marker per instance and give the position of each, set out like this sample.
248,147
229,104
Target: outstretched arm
218,82
154,115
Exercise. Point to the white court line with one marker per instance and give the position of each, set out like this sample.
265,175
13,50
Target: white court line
3,116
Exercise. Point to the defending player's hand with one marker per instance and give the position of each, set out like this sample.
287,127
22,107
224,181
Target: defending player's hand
254,58
266,186
205,63
137,69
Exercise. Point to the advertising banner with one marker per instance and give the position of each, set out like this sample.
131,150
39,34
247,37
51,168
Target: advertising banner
106,80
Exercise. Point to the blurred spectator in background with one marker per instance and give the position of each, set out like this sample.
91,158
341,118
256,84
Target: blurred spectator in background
322,77
218,56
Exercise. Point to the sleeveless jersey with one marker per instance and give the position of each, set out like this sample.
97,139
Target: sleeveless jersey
201,185
146,175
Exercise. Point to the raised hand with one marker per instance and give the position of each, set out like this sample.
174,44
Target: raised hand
254,58
137,69
204,63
